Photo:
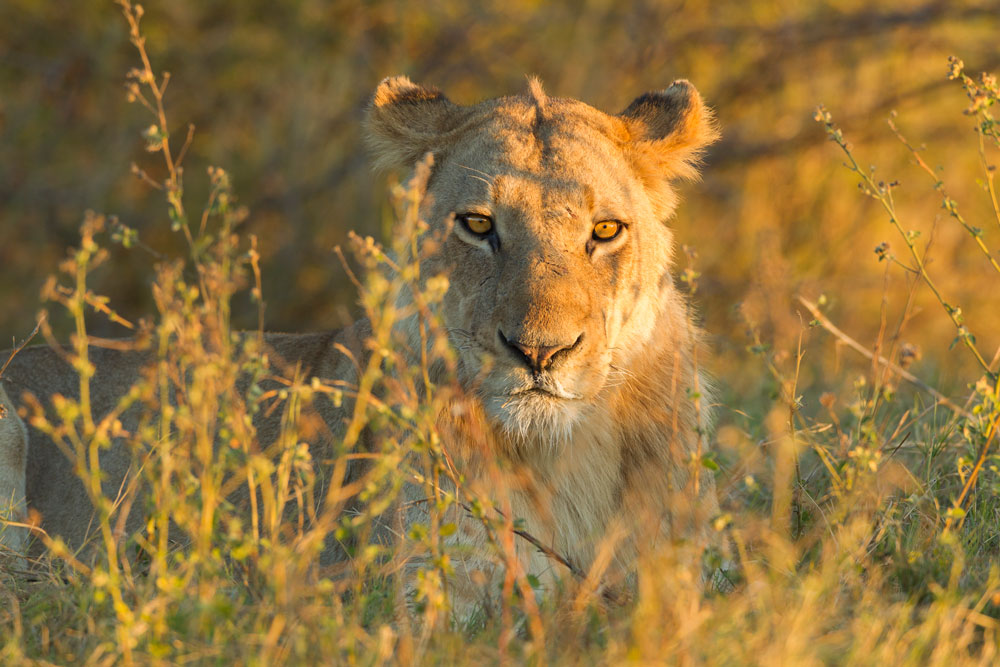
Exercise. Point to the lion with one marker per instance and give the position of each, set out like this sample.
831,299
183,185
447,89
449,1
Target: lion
576,351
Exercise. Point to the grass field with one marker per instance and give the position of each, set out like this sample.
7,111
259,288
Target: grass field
861,498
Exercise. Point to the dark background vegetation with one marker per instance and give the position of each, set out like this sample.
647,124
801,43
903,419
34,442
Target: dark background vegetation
276,91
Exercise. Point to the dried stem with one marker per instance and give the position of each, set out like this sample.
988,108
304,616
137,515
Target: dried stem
947,202
882,192
825,322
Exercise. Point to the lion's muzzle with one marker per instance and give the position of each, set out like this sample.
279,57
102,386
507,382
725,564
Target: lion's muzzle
536,357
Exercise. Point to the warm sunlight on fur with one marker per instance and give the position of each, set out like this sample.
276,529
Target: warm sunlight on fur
576,351
569,379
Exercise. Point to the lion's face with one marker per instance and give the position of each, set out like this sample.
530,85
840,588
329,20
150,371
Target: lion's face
557,255
555,261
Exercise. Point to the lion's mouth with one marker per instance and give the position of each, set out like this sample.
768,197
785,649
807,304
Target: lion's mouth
541,391
534,391
536,405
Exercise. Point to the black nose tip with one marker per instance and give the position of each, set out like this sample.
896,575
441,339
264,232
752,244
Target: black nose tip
537,357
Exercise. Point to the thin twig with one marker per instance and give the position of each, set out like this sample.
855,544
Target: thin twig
24,344
187,144
549,552
882,193
538,544
862,350
947,202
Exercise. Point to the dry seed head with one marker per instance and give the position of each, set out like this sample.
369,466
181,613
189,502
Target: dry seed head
908,353
955,67
989,81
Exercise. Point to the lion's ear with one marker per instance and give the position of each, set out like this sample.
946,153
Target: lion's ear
671,128
405,120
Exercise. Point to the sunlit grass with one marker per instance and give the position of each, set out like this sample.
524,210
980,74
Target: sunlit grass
858,529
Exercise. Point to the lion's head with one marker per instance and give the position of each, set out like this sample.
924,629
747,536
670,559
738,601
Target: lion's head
558,259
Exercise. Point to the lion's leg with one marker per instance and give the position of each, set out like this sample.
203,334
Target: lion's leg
13,458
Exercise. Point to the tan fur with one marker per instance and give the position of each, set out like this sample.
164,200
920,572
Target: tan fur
599,441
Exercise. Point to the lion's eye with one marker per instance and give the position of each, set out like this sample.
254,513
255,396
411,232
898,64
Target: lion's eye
607,230
480,225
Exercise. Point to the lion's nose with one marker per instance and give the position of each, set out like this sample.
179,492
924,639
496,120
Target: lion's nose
537,357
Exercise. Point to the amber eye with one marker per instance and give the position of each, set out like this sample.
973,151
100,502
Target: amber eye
480,225
607,230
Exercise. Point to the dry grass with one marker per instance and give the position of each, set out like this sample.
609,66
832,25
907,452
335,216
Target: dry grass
862,524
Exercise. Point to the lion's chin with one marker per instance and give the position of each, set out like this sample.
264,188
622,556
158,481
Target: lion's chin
535,415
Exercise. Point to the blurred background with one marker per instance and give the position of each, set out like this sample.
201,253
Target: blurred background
276,90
